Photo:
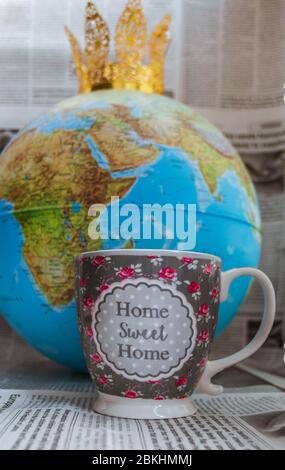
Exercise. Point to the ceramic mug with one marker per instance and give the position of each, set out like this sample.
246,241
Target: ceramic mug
147,319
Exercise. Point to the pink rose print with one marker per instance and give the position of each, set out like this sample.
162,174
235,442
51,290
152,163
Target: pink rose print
89,332
202,363
131,394
82,283
194,287
88,302
181,397
103,287
153,381
159,397
203,310
203,336
155,260
181,381
96,358
208,268
103,379
126,272
190,263
167,273
214,292
98,261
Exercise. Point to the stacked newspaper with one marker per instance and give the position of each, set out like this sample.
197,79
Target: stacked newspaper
229,63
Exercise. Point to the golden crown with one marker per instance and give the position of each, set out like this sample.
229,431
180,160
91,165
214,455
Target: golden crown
94,70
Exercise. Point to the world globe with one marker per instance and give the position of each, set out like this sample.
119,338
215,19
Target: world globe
144,148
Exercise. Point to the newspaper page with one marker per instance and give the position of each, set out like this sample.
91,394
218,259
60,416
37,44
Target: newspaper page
227,59
36,69
232,69
45,419
245,325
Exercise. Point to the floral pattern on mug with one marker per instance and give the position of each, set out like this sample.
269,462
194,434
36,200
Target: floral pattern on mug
197,279
189,263
96,358
208,268
204,312
194,288
103,287
168,273
202,363
203,338
180,381
98,261
82,283
89,302
128,272
215,294
155,260
89,332
105,379
159,397
132,394
182,397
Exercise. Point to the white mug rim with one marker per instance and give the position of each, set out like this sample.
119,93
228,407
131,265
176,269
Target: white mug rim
151,252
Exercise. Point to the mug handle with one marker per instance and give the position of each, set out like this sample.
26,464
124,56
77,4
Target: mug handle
214,367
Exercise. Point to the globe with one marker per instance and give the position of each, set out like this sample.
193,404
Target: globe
144,148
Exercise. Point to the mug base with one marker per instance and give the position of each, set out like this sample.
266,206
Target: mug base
141,408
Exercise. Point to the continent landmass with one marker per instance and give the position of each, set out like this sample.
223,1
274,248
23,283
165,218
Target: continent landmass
57,170
113,133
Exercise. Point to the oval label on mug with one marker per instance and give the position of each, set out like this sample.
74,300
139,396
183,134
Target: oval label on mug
144,329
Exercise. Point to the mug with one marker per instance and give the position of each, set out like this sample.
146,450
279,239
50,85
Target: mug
147,319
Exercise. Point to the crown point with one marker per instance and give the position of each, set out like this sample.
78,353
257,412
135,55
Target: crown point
129,71
78,61
131,32
97,40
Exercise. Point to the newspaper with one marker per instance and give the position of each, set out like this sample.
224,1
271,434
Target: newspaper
272,262
45,406
228,57
36,70
45,419
232,68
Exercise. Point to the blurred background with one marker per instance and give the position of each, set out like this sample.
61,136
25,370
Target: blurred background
226,59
